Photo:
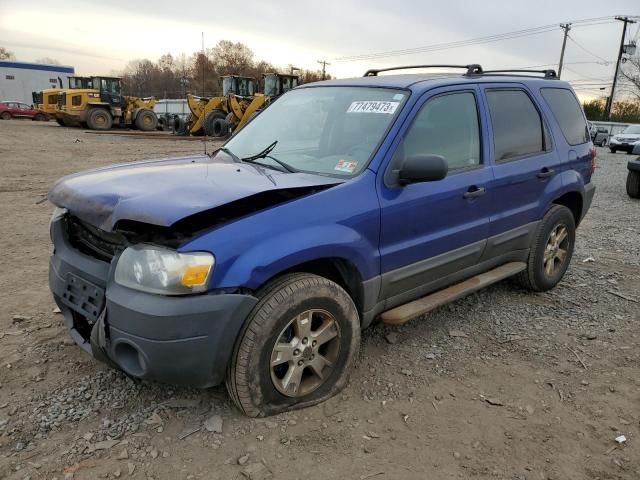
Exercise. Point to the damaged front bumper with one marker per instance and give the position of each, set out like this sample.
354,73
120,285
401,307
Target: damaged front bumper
179,340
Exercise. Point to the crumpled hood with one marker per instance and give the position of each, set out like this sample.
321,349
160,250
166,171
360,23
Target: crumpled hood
162,192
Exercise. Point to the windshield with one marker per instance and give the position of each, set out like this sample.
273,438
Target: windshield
633,129
326,130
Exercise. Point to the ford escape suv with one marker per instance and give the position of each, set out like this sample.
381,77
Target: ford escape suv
343,202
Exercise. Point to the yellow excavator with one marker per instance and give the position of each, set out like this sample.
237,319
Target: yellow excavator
97,103
220,116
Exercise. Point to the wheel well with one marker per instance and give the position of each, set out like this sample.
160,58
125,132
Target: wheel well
573,201
338,270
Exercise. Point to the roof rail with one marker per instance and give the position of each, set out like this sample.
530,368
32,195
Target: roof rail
472,69
550,73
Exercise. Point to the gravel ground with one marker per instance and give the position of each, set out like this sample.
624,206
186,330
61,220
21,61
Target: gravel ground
502,384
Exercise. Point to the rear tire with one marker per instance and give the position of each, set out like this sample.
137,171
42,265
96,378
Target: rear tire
146,120
300,322
214,124
603,143
551,250
99,119
5,116
612,150
39,118
60,122
633,184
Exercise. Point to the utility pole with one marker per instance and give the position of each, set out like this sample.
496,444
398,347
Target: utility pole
566,27
625,20
324,64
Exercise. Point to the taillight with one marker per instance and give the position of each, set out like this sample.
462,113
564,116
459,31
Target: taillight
594,153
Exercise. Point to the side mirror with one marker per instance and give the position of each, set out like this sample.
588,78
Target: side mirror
423,168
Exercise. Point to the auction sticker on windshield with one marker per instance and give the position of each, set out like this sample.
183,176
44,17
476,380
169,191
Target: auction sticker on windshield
373,106
347,166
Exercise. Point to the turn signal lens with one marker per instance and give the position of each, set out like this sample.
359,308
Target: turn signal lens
195,275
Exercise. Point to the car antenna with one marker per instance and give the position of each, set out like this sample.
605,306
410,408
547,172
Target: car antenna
204,83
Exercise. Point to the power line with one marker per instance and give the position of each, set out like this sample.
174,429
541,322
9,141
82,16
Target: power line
585,50
473,41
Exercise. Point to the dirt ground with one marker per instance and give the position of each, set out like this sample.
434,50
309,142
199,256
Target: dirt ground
504,384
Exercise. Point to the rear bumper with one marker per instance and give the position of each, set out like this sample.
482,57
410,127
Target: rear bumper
634,165
178,340
589,193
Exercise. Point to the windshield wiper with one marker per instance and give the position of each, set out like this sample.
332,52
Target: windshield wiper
265,154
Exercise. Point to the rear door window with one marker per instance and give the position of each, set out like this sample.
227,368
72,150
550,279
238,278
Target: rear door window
518,129
568,114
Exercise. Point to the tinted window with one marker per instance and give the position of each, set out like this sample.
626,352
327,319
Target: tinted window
566,109
76,100
447,126
516,122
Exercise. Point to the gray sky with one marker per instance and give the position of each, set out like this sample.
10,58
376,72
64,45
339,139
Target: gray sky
101,36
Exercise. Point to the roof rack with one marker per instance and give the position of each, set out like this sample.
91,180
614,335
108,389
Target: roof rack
550,74
472,69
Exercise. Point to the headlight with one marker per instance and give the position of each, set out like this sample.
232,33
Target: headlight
160,270
58,213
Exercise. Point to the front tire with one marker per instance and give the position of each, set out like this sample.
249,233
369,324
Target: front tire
146,120
99,119
297,348
551,250
612,150
633,184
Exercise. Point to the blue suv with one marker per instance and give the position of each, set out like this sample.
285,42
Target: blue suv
341,203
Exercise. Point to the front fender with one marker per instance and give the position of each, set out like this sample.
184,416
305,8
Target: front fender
284,251
340,222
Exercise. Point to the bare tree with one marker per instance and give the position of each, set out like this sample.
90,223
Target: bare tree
631,74
6,54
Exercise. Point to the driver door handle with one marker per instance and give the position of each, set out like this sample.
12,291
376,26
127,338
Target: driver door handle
474,192
546,173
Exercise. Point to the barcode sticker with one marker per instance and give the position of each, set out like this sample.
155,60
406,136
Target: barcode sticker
373,106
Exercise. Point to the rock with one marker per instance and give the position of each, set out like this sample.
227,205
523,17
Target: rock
456,455
495,402
131,468
591,336
391,338
88,436
243,459
154,419
589,260
165,454
213,424
105,445
57,310
123,455
117,473
257,471
20,318
430,356
154,453
458,334
406,372
530,409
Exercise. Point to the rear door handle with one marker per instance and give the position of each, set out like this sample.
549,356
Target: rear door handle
546,173
474,192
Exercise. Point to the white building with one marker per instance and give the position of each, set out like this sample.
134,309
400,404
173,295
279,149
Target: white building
19,79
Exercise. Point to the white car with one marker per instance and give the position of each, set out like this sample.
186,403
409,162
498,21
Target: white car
626,140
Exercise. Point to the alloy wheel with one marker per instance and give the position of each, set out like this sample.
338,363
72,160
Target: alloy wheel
305,353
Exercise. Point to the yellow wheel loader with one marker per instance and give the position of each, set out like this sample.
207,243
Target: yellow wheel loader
220,116
99,105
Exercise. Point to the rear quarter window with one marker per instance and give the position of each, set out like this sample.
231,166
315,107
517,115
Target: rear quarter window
568,113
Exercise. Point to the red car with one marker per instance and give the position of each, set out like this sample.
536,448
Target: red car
9,110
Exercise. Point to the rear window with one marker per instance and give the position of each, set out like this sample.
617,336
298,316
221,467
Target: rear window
568,114
517,126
